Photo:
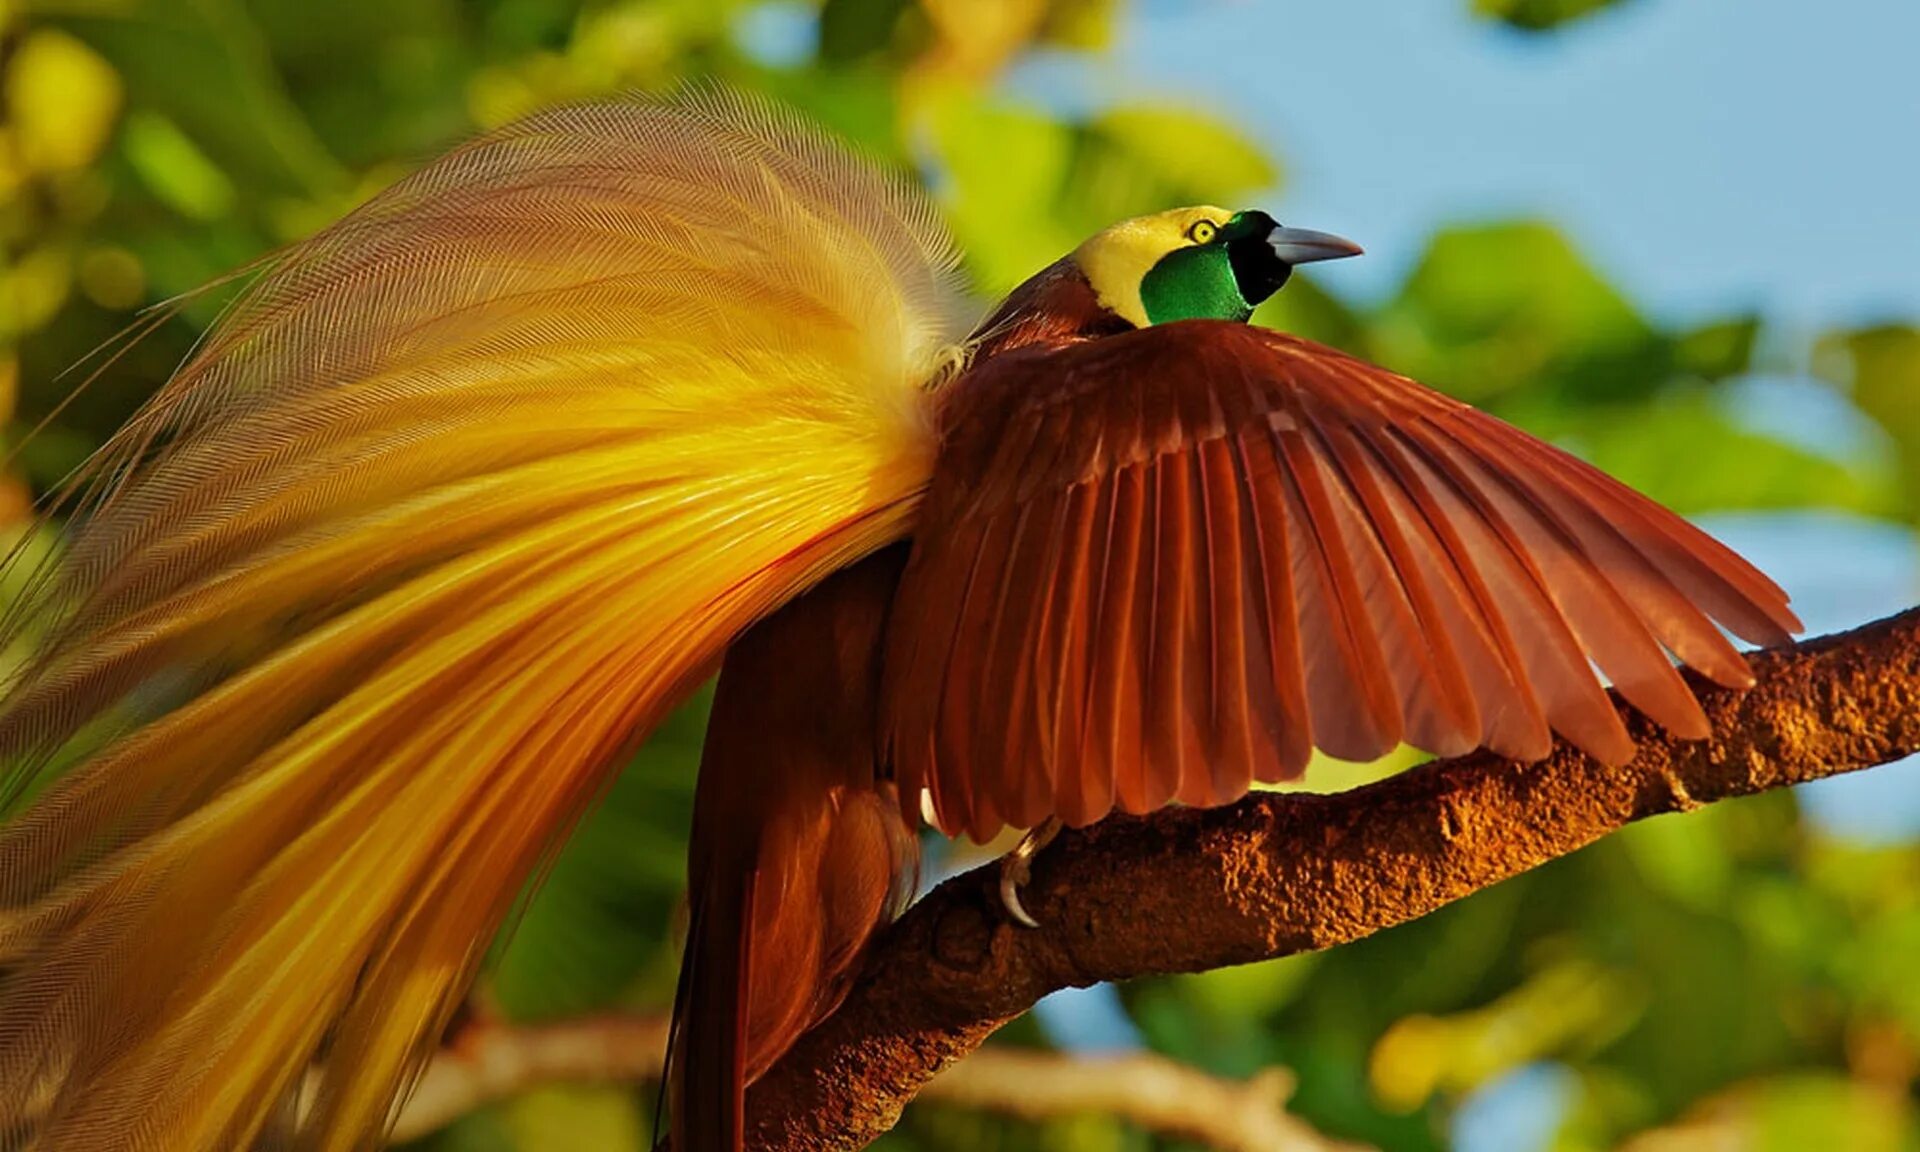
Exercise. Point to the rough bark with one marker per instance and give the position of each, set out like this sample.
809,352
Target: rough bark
1275,874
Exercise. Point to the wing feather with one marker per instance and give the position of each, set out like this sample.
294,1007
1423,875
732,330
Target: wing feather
1551,658
1000,652
1197,642
1171,626
1414,694
1114,705
1516,724
1234,729
951,771
1218,548
1682,627
1354,716
1607,628
1706,571
1451,723
1272,575
1028,786
1063,655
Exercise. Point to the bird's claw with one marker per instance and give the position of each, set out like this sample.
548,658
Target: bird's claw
1016,869
1014,873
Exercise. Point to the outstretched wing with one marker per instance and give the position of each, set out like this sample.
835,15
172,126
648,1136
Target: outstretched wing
1162,565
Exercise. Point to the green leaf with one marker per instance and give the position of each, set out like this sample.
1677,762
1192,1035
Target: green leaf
1496,308
1826,1111
1689,452
854,30
1251,989
1083,25
1001,168
1718,350
175,169
1191,154
1137,159
1539,15
1686,860
1880,368
1023,189
572,1118
236,108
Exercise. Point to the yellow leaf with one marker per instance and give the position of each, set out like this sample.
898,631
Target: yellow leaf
33,289
12,171
62,99
1571,1004
112,277
1196,153
563,1119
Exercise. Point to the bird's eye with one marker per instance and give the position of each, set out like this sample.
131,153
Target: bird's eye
1203,232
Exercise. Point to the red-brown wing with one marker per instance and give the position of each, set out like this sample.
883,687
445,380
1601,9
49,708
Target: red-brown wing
1162,565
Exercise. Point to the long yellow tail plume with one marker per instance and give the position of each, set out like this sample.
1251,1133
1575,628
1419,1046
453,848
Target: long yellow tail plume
375,594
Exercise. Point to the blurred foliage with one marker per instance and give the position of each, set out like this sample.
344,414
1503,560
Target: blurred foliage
1879,369
1726,947
1539,15
1724,979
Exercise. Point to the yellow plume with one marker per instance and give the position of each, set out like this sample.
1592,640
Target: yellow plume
371,599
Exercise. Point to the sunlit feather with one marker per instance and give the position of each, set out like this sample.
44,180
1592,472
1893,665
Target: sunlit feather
377,591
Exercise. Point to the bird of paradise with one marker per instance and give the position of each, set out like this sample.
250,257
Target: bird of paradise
360,612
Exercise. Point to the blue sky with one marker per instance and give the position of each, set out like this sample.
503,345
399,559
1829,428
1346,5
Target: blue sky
1707,154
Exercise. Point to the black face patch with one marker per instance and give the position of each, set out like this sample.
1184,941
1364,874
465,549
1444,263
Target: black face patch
1257,269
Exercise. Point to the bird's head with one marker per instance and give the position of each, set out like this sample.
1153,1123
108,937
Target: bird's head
1198,263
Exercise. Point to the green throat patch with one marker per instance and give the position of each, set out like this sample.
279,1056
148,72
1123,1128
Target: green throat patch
1194,283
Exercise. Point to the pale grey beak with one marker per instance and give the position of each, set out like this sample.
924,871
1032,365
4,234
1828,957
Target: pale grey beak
1304,245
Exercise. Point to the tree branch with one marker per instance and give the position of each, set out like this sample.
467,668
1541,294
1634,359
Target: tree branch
488,1062
485,1062
1187,890
1149,1091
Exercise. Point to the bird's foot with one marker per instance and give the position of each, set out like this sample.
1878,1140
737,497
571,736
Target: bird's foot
1016,868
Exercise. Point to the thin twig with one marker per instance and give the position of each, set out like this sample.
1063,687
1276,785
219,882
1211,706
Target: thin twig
1160,1095
490,1062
